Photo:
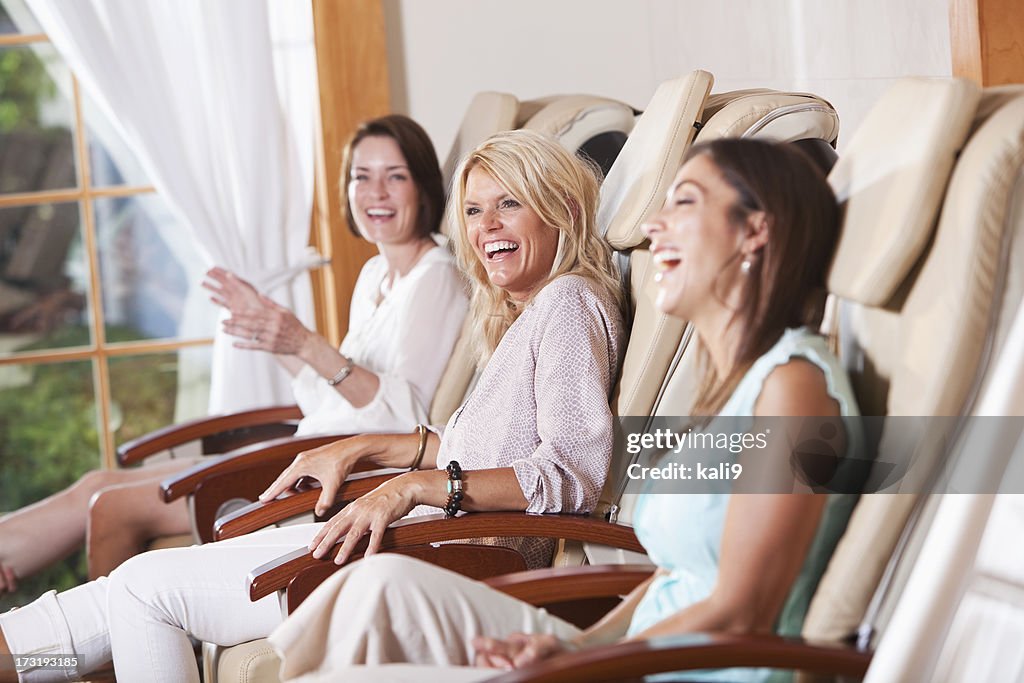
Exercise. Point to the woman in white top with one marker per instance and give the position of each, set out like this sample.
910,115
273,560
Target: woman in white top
383,377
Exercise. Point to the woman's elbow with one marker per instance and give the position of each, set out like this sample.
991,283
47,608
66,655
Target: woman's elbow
743,616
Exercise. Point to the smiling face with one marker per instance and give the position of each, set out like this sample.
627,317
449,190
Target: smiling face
382,196
695,245
512,242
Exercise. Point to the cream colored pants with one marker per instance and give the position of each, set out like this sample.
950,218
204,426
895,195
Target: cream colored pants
391,609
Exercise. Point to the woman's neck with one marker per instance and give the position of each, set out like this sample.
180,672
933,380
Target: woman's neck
401,258
720,335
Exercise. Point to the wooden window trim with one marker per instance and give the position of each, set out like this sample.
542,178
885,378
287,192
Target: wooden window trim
987,40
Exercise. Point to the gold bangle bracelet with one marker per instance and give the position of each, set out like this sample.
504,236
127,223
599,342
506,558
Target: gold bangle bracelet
421,448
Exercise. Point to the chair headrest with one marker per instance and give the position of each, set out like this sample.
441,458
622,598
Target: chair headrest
637,182
488,113
762,113
951,318
891,181
584,124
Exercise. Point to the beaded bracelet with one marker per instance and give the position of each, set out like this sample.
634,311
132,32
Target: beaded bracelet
455,495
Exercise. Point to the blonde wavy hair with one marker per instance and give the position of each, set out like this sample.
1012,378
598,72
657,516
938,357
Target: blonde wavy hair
562,190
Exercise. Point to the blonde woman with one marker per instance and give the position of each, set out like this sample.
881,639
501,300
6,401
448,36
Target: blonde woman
536,434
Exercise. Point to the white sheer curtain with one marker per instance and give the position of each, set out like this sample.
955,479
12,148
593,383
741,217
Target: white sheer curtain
194,87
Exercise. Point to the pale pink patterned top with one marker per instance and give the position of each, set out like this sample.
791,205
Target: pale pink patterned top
541,405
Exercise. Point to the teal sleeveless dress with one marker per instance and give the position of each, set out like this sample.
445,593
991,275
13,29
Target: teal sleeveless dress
683,533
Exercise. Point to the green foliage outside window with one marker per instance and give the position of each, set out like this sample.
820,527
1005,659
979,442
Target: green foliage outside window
48,438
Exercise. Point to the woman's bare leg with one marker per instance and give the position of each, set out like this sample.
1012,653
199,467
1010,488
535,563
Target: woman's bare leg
124,518
6,675
61,519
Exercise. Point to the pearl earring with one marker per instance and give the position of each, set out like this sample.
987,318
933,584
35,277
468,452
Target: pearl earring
745,266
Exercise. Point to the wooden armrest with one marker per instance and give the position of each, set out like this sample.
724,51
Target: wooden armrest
275,575
630,661
259,515
247,427
542,587
236,462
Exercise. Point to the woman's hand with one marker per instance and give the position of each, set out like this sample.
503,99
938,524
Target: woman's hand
230,291
329,465
371,513
271,327
518,650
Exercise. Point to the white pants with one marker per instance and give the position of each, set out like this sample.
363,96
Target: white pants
391,608
142,615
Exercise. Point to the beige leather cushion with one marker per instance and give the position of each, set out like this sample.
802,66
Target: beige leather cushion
457,377
488,113
952,312
653,340
891,179
574,119
962,280
636,185
252,662
769,114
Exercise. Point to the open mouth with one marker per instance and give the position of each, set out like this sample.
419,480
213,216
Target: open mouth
498,250
666,260
380,214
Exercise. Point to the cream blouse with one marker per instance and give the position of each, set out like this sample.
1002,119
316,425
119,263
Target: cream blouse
541,405
405,340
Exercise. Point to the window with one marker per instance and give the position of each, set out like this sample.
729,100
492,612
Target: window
104,335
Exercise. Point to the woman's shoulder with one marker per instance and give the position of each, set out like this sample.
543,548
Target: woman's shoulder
805,345
571,290
437,263
371,274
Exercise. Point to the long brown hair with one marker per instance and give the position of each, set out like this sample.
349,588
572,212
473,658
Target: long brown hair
785,284
421,158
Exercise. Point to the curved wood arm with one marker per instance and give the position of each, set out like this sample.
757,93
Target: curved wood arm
542,587
275,575
259,515
269,452
220,433
631,660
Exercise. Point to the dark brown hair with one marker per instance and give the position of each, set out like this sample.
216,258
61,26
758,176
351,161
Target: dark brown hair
785,285
421,158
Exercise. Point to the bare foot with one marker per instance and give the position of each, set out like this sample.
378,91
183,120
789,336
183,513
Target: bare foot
8,581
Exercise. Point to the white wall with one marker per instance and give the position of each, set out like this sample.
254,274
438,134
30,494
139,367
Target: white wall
444,51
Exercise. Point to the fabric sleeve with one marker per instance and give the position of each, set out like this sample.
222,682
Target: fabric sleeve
574,422
426,326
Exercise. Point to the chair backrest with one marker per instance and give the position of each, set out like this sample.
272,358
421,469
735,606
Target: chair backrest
985,191
960,613
940,345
